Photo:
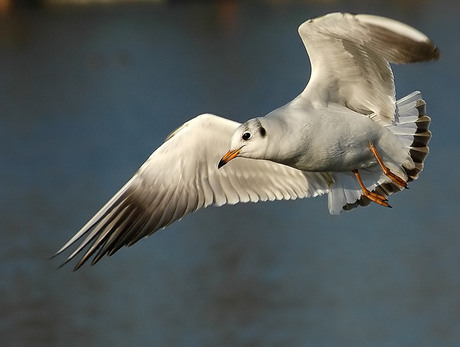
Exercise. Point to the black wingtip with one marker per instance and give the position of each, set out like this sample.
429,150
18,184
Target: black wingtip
436,53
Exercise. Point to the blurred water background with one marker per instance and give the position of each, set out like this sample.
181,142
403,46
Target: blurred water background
88,92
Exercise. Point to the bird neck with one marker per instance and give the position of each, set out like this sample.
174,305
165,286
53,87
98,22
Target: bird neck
284,135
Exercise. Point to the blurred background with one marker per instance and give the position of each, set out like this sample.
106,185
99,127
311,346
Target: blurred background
88,89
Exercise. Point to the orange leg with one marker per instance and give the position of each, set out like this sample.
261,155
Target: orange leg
396,179
377,198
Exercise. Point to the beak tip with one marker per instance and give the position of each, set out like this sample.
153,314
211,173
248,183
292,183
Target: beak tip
221,163
232,154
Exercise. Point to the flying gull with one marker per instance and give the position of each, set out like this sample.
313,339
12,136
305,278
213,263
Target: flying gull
345,135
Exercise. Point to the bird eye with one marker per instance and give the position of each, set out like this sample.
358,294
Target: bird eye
246,136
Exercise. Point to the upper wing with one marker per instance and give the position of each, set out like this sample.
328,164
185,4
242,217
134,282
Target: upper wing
350,57
180,177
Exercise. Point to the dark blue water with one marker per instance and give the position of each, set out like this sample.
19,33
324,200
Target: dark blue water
86,94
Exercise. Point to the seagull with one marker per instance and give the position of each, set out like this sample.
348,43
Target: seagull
345,135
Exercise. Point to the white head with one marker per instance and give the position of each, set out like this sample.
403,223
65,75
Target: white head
248,141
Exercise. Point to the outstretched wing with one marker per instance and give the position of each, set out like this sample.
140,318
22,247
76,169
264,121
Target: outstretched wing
350,56
180,177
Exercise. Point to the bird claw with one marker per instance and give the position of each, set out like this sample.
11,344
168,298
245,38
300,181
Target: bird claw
396,179
377,198
372,196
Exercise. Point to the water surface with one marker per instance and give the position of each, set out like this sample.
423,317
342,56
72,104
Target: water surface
87,93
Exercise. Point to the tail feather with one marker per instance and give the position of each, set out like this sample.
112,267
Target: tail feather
418,149
412,129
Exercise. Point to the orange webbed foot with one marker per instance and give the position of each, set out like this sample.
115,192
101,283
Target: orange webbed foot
372,196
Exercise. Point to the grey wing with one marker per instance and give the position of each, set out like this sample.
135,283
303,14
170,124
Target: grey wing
180,177
350,56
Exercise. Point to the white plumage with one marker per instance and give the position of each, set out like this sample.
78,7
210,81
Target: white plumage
320,142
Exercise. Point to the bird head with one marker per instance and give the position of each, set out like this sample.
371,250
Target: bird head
248,141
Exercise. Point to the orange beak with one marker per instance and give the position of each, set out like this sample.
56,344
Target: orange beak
228,156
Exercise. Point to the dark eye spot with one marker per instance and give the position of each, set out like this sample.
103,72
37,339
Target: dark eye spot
246,136
262,131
